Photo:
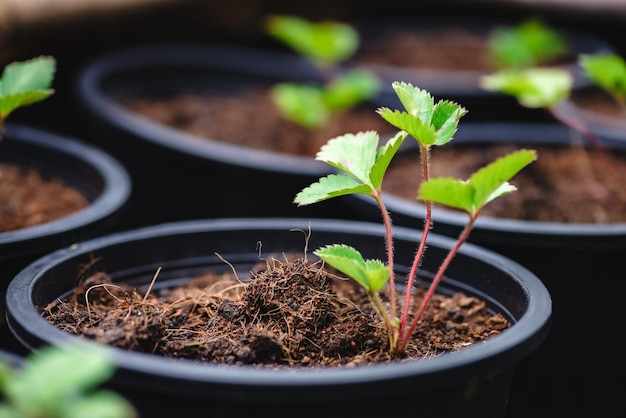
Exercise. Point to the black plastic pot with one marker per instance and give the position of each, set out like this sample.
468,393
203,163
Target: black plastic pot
580,264
182,176
460,85
95,174
473,382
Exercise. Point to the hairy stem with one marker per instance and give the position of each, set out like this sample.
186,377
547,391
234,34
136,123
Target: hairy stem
405,337
389,242
425,159
391,332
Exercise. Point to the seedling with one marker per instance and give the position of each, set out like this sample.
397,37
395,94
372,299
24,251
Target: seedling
607,71
547,88
362,165
528,44
325,44
61,382
24,83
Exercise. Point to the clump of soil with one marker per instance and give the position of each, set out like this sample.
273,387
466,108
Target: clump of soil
27,199
293,312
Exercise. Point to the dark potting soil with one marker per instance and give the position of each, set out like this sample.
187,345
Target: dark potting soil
292,313
26,199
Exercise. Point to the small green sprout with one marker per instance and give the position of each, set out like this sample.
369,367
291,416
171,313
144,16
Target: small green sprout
325,44
362,164
532,87
24,83
530,43
61,382
607,71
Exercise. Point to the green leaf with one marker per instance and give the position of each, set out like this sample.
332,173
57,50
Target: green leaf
532,87
371,274
383,158
415,127
528,44
350,89
302,104
103,404
327,42
428,123
354,154
416,102
487,184
333,185
25,82
607,70
50,376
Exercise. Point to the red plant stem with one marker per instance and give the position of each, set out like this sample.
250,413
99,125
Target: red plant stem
389,241
425,157
577,125
405,337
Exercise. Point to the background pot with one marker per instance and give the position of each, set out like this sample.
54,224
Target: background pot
469,383
95,174
180,175
580,265
443,46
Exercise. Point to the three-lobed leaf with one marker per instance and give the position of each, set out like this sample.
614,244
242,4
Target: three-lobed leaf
362,164
371,274
428,122
26,82
485,185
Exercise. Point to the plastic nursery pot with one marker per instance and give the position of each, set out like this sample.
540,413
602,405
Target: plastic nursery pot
180,175
468,383
445,60
580,264
95,174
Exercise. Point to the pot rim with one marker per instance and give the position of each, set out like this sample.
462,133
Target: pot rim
527,332
542,234
233,59
116,187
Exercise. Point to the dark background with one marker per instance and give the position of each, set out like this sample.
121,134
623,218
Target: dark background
76,36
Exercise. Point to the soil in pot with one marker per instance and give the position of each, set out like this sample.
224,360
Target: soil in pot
27,199
566,184
251,119
293,312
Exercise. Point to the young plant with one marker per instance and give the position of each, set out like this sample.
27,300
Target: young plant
24,83
61,382
362,165
325,44
607,71
528,44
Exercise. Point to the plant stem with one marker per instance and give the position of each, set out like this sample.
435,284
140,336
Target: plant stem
404,338
391,333
389,242
425,157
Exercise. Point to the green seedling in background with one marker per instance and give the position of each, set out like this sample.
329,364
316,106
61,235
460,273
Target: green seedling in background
325,44
61,382
528,44
607,71
24,83
362,165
